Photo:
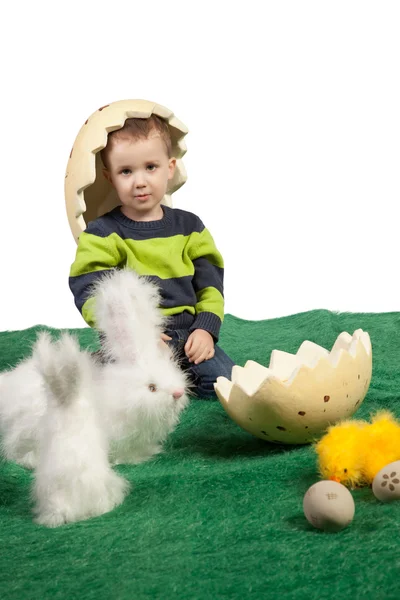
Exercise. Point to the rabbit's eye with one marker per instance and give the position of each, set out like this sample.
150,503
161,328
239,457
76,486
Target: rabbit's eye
152,387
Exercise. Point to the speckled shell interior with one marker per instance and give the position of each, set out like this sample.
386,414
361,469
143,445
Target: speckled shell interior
88,194
298,396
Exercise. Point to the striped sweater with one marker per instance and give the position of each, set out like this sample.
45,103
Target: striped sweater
177,252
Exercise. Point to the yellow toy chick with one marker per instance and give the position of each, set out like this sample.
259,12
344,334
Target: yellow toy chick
353,452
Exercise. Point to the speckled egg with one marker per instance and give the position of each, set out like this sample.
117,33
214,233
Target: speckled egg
329,506
386,483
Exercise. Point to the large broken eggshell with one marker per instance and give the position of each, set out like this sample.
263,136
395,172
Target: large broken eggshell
299,395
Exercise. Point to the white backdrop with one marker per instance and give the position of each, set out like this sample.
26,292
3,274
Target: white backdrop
293,153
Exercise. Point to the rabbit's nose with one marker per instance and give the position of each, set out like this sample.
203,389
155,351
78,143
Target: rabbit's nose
178,393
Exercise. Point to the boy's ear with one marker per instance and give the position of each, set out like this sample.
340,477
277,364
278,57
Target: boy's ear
171,167
107,175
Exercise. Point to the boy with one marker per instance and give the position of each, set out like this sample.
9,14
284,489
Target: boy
170,246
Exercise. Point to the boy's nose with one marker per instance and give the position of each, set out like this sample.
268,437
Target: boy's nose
140,180
178,393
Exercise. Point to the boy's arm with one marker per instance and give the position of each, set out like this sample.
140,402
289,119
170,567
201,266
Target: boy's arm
96,254
208,283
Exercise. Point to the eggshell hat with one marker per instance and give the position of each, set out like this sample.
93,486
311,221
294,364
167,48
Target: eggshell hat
88,194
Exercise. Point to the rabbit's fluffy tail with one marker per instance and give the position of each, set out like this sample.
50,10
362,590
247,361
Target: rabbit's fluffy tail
127,312
64,368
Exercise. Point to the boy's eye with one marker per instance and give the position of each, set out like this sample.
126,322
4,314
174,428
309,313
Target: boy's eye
151,167
125,171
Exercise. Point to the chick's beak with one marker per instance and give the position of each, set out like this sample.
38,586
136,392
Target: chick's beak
334,479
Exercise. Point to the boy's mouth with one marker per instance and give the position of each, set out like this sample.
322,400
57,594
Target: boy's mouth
143,196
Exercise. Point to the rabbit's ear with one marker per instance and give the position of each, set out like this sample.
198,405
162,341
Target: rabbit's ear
127,313
64,368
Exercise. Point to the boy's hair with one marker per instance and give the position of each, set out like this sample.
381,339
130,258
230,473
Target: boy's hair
137,128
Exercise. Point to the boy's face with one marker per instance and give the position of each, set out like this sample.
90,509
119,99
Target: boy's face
139,170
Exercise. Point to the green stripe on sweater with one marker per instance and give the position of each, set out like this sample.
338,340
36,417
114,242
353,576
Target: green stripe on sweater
164,257
94,254
210,300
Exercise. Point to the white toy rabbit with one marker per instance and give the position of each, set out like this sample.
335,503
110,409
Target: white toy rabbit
70,418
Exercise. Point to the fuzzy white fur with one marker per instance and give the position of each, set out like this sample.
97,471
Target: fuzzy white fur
70,418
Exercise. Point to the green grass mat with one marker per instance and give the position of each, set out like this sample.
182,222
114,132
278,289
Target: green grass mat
219,514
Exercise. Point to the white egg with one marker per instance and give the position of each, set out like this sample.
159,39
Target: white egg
386,483
329,505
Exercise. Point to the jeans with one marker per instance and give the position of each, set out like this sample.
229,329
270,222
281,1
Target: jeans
204,375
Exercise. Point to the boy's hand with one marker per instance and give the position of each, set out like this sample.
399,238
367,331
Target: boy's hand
199,346
165,337
163,340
